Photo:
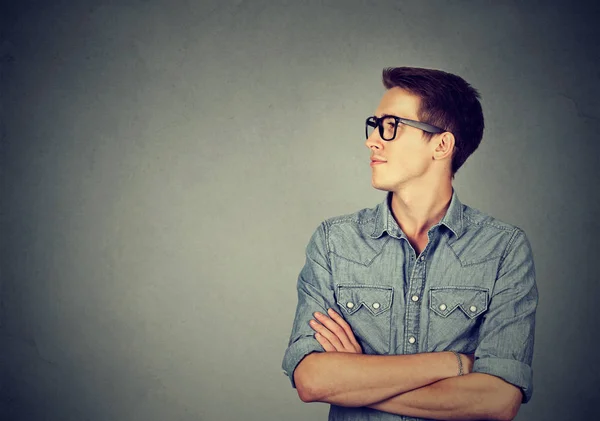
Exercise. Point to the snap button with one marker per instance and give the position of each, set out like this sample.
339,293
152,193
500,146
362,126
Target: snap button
375,306
350,304
412,340
473,309
442,307
415,298
422,258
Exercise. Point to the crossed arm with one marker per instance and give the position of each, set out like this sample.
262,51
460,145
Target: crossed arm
421,385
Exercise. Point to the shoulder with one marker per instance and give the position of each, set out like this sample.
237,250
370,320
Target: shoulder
361,221
476,219
485,237
351,236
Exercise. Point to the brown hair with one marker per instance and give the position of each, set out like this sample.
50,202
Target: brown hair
447,101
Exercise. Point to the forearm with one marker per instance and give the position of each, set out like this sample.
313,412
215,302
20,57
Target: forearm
474,396
348,379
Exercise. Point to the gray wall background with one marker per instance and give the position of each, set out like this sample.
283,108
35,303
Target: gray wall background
163,165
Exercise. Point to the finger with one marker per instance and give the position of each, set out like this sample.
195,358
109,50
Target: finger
331,337
344,325
324,343
336,329
340,321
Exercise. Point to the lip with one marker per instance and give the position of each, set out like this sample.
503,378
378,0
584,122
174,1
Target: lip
377,161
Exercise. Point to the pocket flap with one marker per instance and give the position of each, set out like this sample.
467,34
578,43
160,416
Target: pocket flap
472,301
376,299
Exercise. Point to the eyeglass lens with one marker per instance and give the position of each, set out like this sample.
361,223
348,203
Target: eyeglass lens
387,127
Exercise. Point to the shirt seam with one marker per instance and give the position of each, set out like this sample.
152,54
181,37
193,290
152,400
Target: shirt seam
516,231
353,219
505,227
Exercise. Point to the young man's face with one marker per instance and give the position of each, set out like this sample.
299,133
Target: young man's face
408,156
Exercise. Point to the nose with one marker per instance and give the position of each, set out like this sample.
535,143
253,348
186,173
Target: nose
374,141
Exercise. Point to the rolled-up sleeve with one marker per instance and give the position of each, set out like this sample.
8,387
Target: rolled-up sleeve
315,293
507,332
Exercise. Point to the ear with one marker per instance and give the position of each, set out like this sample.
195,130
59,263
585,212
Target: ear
444,146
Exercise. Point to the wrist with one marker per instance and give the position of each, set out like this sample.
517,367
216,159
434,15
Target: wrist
451,364
458,363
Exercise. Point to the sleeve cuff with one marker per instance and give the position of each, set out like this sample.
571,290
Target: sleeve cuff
512,371
296,352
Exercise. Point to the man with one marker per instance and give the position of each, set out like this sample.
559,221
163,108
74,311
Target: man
422,307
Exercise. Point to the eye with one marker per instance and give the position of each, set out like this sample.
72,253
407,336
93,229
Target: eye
389,123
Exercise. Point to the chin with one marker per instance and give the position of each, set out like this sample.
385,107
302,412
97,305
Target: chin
381,186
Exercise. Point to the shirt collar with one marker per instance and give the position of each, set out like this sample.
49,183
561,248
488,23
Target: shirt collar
453,219
385,222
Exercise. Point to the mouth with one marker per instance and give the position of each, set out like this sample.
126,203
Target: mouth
377,161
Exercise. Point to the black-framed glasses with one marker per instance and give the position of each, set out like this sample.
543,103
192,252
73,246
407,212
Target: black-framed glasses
388,124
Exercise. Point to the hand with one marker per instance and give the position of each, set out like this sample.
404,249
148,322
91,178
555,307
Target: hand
334,334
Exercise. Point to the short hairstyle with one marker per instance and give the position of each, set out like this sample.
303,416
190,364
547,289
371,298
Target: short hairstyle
447,101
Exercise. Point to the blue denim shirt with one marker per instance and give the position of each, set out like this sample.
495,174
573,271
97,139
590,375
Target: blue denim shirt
471,290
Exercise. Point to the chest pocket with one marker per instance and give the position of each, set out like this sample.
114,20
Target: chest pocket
368,311
455,317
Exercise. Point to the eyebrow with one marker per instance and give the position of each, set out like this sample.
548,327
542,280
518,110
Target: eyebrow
397,116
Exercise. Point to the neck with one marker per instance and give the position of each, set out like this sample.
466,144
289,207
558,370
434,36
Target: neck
417,208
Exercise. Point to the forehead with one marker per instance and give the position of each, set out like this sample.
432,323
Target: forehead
398,102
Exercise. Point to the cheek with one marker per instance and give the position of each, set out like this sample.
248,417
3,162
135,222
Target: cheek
403,153
409,158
